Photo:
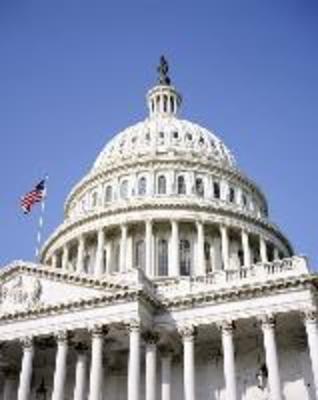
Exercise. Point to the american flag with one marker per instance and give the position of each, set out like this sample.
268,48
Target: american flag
34,196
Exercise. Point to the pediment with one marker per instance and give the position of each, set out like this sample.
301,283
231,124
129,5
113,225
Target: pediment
28,287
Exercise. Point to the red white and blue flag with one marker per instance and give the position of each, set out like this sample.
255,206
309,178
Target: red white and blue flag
34,196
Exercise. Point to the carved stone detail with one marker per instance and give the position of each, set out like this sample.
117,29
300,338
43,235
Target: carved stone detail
99,330
27,342
187,332
134,326
226,326
151,337
310,315
268,321
63,336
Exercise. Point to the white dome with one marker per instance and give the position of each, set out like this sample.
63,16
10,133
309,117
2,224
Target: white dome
161,134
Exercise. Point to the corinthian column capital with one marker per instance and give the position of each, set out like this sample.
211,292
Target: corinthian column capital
268,321
187,332
27,342
310,315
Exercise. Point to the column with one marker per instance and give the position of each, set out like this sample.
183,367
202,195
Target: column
246,248
263,250
225,246
188,335
65,257
229,360
95,381
99,265
200,266
134,362
60,366
123,243
166,376
268,328
148,243
276,253
80,373
151,363
174,267
26,369
54,260
80,254
109,257
312,339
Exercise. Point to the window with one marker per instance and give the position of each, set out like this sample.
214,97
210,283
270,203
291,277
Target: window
207,256
185,257
172,104
165,103
94,199
244,200
201,140
232,195
108,194
175,135
199,187
181,185
161,135
142,186
162,184
216,190
124,189
140,254
162,257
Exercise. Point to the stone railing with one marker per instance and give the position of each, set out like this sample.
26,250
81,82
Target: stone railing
287,267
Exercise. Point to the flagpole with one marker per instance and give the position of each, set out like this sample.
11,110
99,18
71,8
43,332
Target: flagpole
40,224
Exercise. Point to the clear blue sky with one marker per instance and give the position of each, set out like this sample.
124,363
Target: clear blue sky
73,73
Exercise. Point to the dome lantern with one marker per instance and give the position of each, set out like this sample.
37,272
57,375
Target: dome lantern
163,99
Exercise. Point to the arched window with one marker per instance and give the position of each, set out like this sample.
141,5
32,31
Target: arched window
108,194
124,189
140,254
185,257
162,257
216,190
172,104
199,187
142,186
231,195
181,185
162,184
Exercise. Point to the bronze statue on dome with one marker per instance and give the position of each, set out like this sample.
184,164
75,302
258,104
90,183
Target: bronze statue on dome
163,70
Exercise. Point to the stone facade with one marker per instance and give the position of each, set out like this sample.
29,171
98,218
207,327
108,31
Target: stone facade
166,280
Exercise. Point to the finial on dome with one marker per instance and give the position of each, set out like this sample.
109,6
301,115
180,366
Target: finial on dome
163,69
163,99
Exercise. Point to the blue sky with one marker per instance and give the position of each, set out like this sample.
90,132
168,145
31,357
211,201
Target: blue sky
74,73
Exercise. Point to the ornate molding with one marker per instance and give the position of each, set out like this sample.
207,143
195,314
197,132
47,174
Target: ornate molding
187,332
267,321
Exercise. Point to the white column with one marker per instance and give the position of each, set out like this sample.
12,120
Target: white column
99,265
80,373
174,267
65,257
80,254
60,367
166,377
312,339
134,362
26,369
200,265
224,246
54,260
151,363
188,334
123,245
246,248
148,243
95,381
268,328
263,250
228,360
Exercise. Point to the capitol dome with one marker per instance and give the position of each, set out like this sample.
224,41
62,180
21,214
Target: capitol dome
165,267
165,196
